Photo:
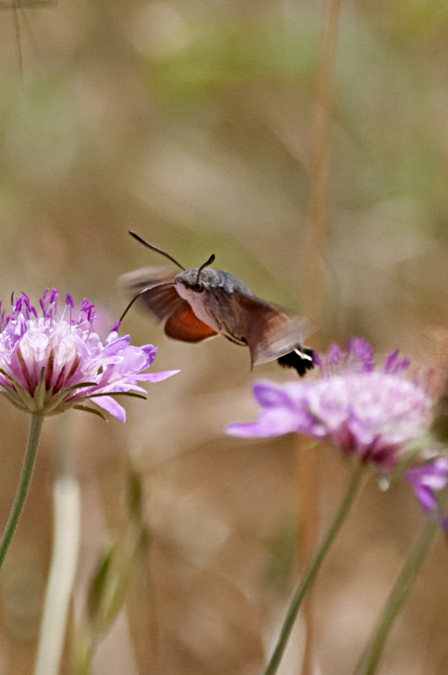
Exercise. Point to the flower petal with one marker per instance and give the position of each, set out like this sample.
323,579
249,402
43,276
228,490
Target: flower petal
112,407
157,377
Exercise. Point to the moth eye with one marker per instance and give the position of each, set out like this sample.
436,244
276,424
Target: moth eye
198,288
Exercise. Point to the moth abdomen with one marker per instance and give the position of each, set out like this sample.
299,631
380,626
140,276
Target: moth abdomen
301,358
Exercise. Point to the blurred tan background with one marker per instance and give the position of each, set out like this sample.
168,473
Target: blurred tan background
190,122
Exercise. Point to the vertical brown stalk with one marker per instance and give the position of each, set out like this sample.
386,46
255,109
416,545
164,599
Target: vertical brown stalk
15,12
308,478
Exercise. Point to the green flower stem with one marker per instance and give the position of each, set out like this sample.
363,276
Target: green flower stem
27,470
368,662
66,538
313,569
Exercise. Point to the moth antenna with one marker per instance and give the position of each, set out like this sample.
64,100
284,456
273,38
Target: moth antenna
157,250
136,297
206,264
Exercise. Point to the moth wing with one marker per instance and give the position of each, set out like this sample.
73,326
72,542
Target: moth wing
160,301
146,276
184,325
165,304
270,332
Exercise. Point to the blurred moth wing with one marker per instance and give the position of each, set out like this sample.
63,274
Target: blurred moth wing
184,325
270,333
164,303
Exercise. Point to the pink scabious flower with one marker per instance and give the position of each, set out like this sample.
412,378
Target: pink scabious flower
376,413
55,361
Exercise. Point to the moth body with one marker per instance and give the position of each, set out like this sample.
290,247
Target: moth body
213,300
197,304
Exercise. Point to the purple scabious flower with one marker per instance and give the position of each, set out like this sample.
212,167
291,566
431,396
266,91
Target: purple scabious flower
427,479
53,360
376,413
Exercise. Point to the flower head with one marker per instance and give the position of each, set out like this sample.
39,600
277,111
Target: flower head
54,360
377,414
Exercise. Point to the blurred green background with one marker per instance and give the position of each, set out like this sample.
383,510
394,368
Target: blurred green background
191,123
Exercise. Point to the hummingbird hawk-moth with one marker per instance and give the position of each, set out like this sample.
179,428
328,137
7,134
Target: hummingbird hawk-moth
197,304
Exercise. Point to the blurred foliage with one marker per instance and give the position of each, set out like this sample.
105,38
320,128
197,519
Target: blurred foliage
110,581
191,123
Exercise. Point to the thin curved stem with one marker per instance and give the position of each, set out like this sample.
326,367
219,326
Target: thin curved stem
25,479
313,569
368,662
